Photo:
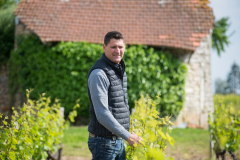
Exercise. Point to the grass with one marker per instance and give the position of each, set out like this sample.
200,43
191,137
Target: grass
75,142
187,142
190,144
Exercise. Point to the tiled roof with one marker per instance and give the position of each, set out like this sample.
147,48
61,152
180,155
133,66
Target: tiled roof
170,23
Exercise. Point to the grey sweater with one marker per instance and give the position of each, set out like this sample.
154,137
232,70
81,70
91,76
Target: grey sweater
98,86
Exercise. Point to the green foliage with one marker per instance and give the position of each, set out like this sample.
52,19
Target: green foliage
155,73
35,129
7,24
225,125
2,3
154,131
61,71
6,3
219,37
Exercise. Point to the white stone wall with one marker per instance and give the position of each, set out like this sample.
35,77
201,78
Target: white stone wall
199,97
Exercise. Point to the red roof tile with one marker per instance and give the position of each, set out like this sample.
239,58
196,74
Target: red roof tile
170,23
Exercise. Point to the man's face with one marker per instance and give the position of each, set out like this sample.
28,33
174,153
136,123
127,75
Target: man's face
114,50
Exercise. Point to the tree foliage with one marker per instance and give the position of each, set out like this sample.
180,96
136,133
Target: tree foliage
6,3
232,84
61,71
220,86
7,24
219,35
2,3
233,79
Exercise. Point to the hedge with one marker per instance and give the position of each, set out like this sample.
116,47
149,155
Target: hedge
61,71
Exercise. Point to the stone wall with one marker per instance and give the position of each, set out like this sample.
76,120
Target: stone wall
199,97
20,29
4,96
6,102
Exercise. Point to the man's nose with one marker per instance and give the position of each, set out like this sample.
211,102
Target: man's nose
117,50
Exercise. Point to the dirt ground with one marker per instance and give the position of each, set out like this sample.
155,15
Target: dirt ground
74,158
196,156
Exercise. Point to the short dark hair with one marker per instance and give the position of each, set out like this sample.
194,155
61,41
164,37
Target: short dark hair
111,35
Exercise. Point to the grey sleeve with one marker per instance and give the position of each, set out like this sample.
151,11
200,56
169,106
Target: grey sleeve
98,84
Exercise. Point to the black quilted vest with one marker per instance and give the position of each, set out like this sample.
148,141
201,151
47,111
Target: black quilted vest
117,96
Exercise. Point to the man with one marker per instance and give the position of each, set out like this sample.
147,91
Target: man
109,110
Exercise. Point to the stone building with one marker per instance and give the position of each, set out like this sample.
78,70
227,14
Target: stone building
182,26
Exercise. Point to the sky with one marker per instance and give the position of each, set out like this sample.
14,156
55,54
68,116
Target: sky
221,66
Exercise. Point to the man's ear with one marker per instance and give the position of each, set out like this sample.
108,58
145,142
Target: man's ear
104,47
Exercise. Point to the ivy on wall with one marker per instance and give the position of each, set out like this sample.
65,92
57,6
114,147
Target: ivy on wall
61,71
155,72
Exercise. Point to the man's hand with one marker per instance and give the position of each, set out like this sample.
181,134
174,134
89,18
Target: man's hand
133,138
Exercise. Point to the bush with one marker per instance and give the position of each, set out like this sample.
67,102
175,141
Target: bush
34,130
145,122
225,125
155,72
61,71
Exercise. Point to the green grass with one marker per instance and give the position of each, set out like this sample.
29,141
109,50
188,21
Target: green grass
75,142
196,138
190,144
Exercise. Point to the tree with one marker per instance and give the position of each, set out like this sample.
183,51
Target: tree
220,86
7,24
233,79
219,38
2,3
6,3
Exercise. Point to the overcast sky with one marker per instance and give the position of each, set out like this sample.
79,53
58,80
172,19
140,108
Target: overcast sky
221,66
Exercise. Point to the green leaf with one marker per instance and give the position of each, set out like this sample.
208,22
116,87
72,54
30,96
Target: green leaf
24,108
170,139
162,134
12,155
5,122
14,141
